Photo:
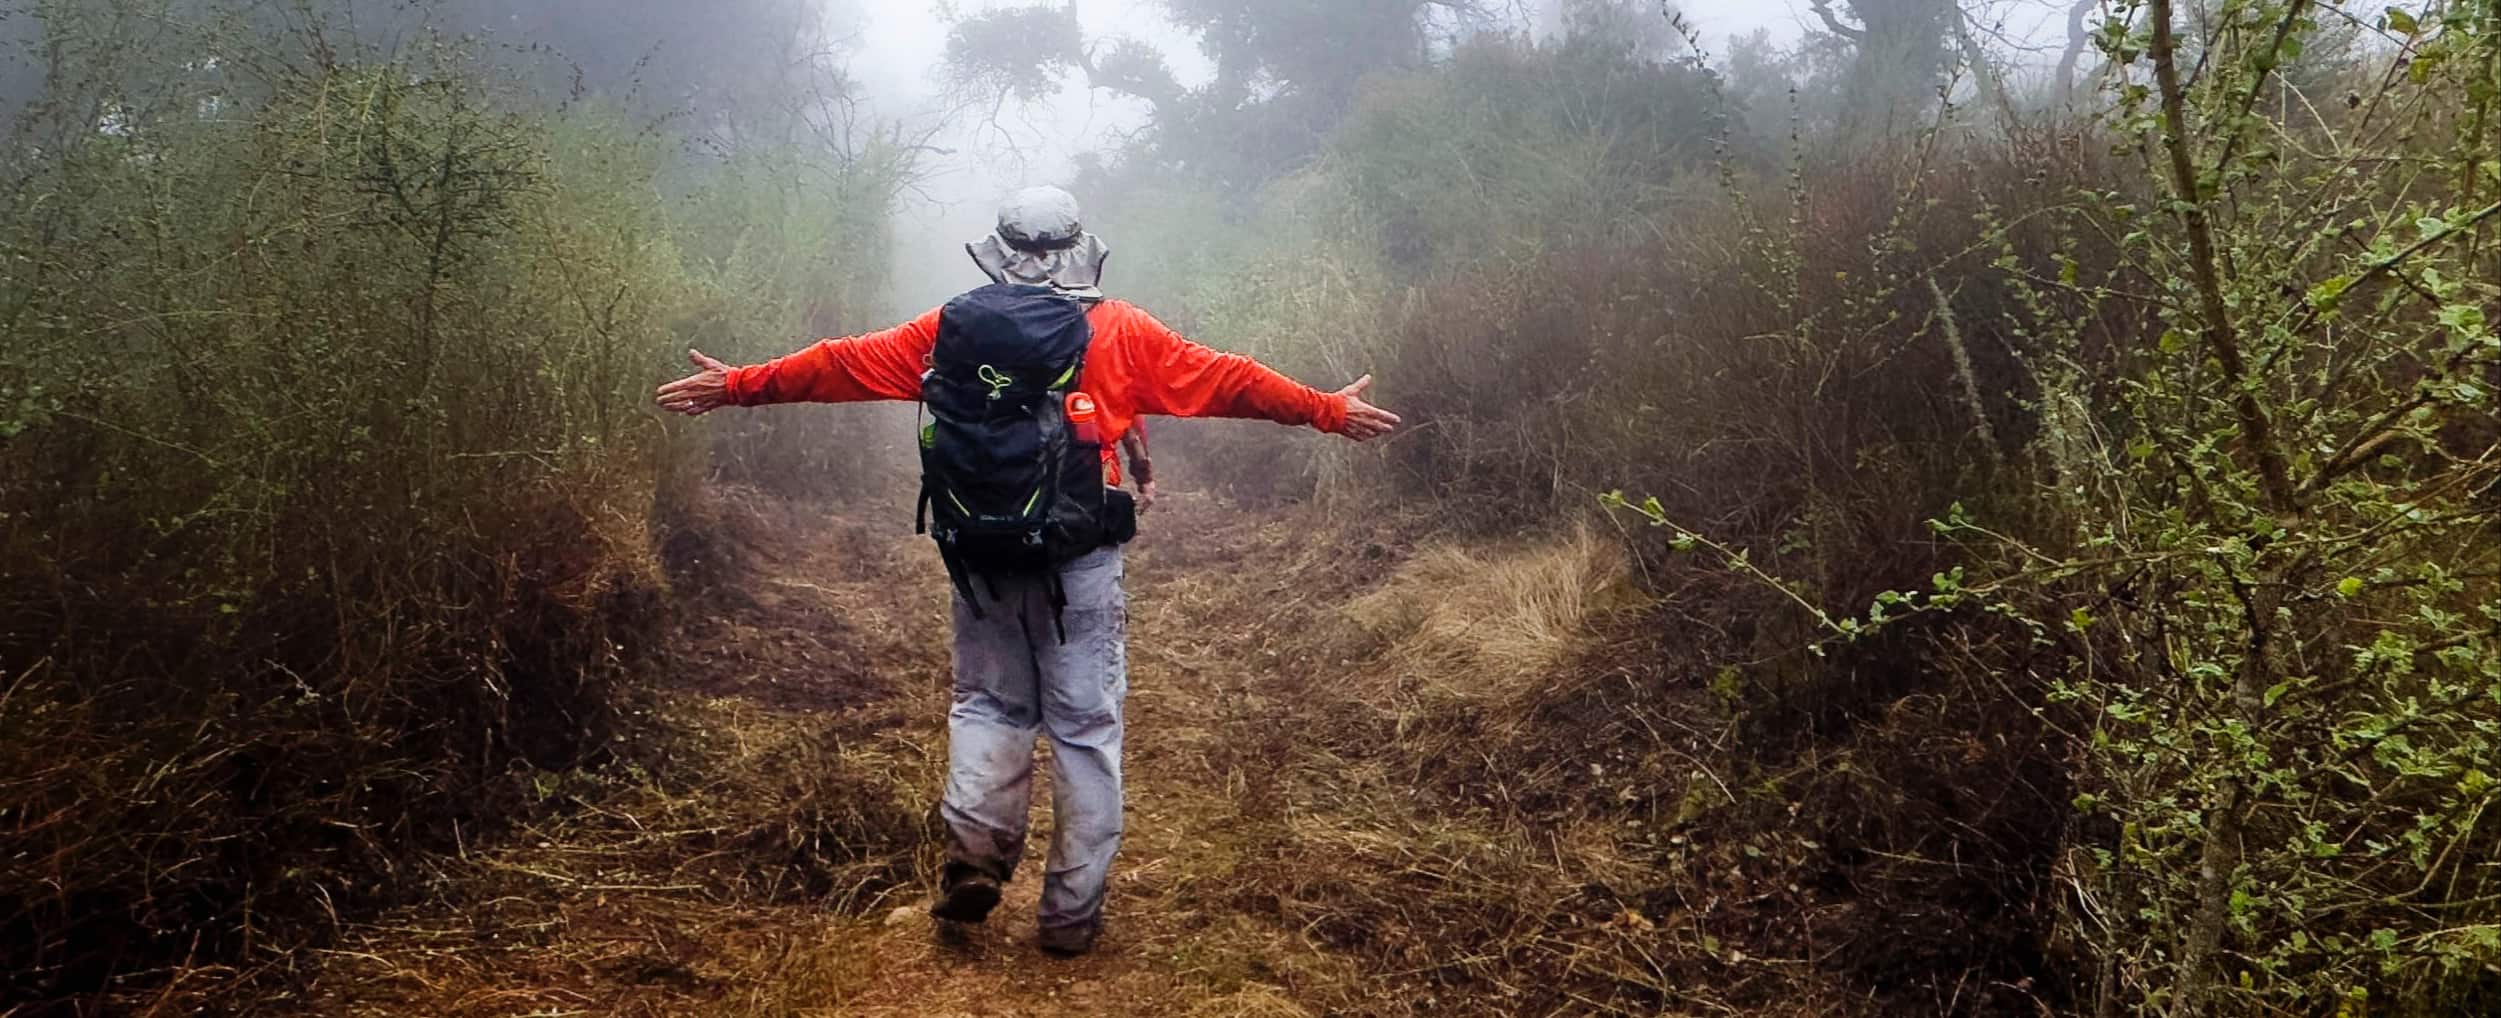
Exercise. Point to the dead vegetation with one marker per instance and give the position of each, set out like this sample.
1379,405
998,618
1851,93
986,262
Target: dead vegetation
1483,626
764,849
325,503
1507,799
1376,772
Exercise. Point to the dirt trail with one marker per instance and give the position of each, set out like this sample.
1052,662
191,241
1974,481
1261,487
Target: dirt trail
774,862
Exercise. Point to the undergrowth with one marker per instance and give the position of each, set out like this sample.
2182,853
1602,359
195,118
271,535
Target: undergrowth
2072,530
326,494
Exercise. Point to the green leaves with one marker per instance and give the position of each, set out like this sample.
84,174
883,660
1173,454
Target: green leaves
2114,40
25,409
2327,293
2467,320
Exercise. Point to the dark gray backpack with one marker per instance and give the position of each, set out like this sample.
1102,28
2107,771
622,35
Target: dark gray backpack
1008,487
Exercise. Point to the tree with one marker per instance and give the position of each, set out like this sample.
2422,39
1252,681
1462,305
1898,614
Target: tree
721,63
2079,40
1286,71
1901,53
1643,28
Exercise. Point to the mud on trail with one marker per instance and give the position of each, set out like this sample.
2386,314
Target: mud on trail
1367,776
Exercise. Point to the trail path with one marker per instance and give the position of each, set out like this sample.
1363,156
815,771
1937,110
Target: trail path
1196,700
833,657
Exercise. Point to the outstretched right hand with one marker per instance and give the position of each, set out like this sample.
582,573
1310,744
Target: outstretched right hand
1365,422
700,393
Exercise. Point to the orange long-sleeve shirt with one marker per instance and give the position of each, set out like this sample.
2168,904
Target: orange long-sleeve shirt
1134,366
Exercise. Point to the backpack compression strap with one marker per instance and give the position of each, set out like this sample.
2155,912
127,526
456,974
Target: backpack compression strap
955,567
963,581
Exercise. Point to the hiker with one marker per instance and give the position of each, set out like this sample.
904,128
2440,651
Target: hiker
1040,620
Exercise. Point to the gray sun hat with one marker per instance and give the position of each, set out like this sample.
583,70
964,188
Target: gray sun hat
1041,241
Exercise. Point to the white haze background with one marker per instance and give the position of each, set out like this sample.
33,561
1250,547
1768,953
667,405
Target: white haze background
895,57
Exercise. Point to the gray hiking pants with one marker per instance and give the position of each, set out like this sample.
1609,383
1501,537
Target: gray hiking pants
1015,679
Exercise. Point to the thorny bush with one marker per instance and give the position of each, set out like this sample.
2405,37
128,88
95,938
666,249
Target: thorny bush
2254,580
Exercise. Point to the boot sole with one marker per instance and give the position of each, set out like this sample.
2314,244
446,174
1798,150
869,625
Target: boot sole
967,903
1070,948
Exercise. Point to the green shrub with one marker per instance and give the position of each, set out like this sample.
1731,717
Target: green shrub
2208,454
2251,584
784,245
2277,594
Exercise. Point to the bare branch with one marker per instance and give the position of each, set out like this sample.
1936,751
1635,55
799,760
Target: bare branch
2257,429
1832,22
2079,39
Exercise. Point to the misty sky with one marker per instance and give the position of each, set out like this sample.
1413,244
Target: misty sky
896,57
902,40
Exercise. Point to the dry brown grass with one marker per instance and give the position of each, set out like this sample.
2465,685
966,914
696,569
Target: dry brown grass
765,850
715,882
1556,825
1510,784
1486,624
1255,1002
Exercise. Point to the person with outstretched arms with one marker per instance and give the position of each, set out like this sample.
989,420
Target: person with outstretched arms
1029,386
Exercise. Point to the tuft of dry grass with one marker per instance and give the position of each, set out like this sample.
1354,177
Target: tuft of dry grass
1488,624
1250,1002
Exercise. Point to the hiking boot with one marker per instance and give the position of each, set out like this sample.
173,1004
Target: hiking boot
967,900
1070,941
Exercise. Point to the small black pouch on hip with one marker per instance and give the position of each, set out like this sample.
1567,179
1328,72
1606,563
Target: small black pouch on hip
1120,516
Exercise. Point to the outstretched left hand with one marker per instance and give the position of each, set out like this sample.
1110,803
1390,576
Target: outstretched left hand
700,393
1365,422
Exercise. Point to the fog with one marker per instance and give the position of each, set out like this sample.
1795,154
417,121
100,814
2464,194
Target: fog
1851,507
987,152
895,54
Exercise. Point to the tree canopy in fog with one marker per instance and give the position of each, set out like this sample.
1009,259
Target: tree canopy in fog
1284,73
